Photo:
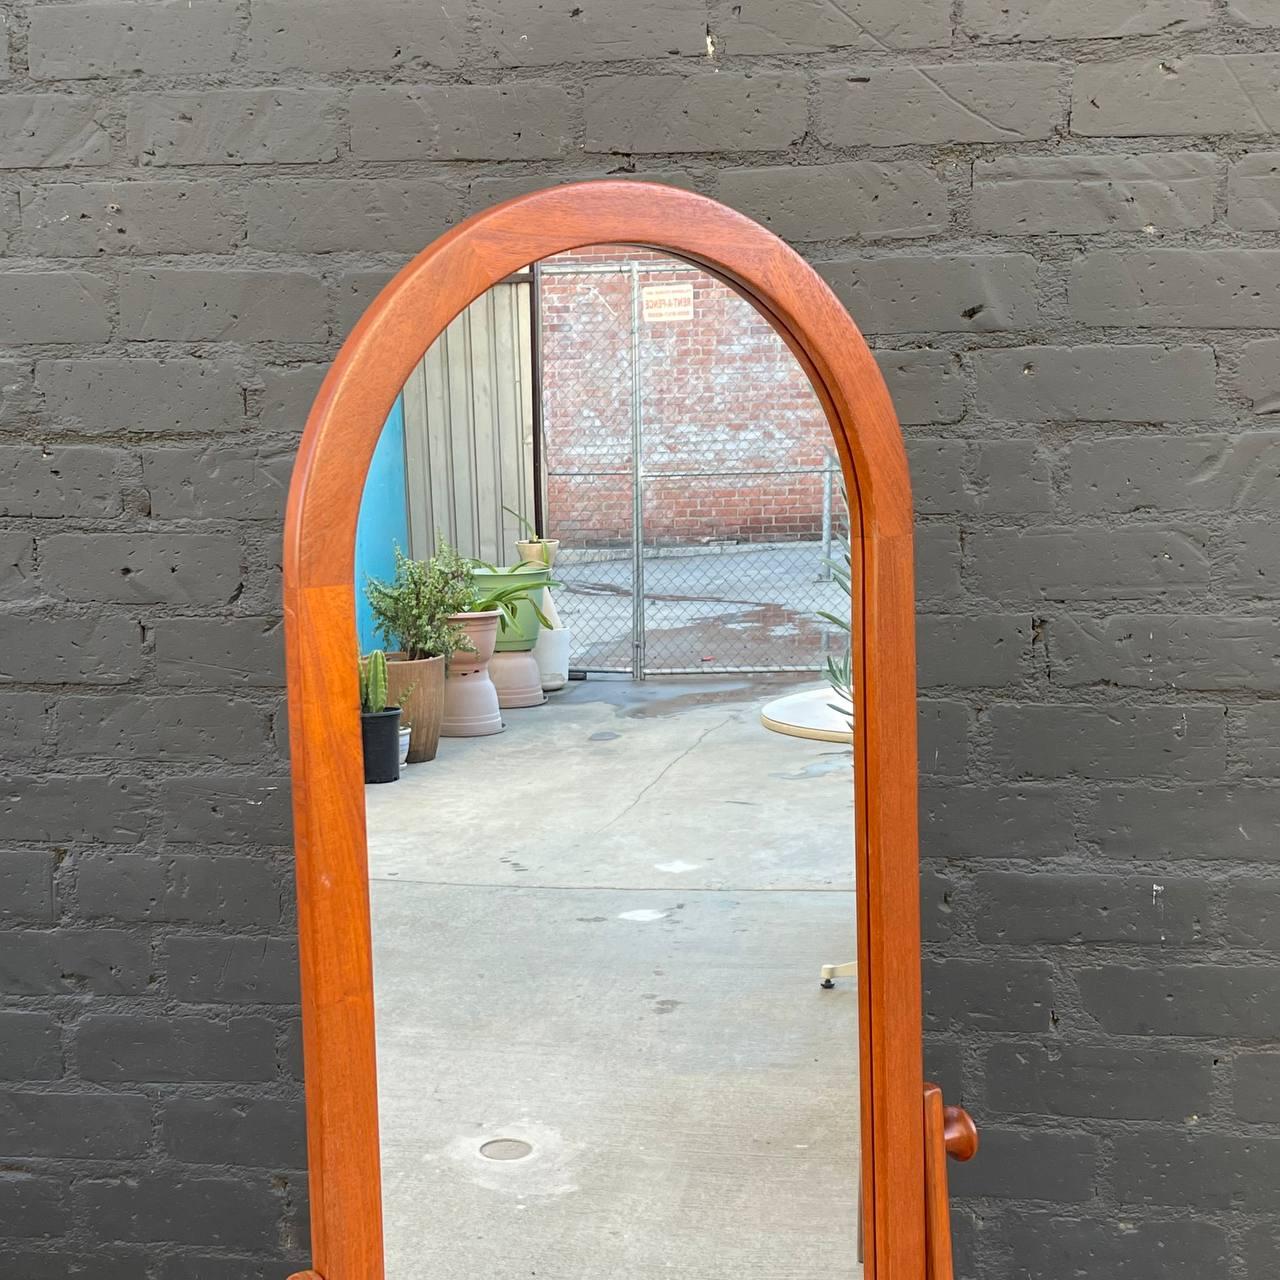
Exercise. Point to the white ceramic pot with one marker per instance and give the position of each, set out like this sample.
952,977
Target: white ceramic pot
551,653
549,610
538,552
406,734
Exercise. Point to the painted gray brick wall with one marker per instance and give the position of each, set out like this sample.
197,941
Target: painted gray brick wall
1056,223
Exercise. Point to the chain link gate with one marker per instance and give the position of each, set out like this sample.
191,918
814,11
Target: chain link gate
687,472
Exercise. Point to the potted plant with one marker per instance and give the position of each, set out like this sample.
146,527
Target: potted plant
516,592
500,603
531,548
413,612
379,723
470,699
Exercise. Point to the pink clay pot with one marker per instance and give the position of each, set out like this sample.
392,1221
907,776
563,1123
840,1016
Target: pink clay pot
517,679
470,698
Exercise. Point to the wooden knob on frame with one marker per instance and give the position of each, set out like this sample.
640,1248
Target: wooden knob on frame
960,1134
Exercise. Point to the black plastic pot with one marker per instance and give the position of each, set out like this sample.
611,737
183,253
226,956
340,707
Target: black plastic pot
380,736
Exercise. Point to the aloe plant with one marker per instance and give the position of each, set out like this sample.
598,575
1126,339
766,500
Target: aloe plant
530,533
839,671
507,597
463,594
373,683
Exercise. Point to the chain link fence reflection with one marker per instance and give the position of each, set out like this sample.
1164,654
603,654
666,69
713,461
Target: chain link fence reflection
688,473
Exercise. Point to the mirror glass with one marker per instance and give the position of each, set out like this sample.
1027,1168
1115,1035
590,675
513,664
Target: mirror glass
611,836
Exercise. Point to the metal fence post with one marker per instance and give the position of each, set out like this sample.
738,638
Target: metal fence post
637,485
824,573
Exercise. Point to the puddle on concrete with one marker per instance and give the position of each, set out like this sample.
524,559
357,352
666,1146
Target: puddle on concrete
721,633
831,762
670,695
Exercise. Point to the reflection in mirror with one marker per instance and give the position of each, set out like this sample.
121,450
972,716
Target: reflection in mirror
619,852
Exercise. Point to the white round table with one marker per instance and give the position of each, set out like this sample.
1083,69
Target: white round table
808,713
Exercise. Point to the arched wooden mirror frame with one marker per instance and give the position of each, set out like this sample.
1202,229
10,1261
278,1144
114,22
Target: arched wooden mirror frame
328,793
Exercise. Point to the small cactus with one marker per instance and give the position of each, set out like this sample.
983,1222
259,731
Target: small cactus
373,682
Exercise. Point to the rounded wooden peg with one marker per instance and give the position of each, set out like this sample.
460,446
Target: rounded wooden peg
960,1134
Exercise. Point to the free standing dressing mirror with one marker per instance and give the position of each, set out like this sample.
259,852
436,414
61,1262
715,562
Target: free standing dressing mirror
348,1031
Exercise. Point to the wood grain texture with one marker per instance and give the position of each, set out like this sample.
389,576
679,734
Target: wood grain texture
937,1201
341,432
948,1132
959,1133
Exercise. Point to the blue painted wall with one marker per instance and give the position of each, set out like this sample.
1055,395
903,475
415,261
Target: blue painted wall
384,521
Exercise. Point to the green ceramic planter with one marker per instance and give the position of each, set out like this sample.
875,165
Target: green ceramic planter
524,633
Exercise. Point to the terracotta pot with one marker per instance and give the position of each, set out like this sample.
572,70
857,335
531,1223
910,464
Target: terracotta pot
516,677
470,699
538,552
418,686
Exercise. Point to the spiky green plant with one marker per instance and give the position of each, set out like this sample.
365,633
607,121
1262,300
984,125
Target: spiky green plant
530,533
412,611
373,683
507,597
839,671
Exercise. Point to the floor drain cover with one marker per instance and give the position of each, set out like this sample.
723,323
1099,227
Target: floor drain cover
506,1149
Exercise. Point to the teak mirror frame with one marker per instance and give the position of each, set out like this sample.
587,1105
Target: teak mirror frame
328,793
